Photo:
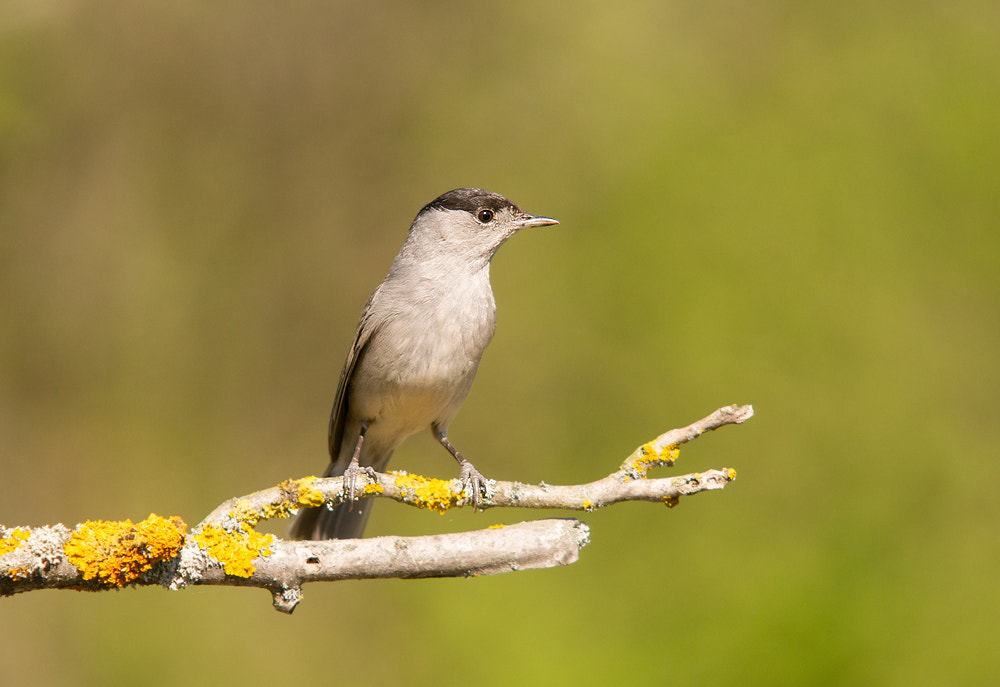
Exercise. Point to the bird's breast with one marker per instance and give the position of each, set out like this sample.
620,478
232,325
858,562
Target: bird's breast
423,357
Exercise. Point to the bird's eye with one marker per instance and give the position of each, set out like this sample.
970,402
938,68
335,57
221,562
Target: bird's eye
485,216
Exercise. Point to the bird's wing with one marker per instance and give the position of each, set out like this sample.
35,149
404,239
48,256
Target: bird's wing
362,335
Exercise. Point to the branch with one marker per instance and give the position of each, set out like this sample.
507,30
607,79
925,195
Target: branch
225,549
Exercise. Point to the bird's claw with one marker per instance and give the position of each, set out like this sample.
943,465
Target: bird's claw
473,482
351,479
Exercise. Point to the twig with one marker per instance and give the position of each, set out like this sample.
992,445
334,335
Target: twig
524,546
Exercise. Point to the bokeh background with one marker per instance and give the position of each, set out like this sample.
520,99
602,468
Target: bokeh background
795,205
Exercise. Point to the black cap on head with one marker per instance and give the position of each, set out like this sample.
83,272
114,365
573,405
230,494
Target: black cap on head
470,200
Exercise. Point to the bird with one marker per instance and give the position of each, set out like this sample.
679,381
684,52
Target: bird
416,349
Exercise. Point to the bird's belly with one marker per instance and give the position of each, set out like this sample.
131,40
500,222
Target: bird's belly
413,382
403,410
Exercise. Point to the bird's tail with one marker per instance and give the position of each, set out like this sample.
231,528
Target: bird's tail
346,521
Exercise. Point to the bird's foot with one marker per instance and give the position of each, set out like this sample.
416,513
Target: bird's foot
473,482
351,479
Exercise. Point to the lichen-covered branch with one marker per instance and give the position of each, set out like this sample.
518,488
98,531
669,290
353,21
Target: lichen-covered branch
628,483
225,549
40,557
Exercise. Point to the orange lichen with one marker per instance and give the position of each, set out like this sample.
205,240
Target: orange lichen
117,552
13,541
427,492
234,550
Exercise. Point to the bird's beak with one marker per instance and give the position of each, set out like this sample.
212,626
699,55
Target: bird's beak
533,221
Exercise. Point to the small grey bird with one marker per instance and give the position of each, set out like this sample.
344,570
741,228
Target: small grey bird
417,347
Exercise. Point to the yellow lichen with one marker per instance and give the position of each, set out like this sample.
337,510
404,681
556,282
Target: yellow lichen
22,572
117,552
294,494
731,474
302,491
243,512
671,501
372,489
13,540
498,526
270,512
234,550
588,505
650,457
427,492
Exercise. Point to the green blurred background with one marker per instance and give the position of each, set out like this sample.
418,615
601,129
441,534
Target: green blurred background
795,205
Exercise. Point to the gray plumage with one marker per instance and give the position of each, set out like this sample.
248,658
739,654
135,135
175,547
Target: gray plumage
417,346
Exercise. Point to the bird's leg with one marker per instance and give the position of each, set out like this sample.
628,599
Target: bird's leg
470,476
354,469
